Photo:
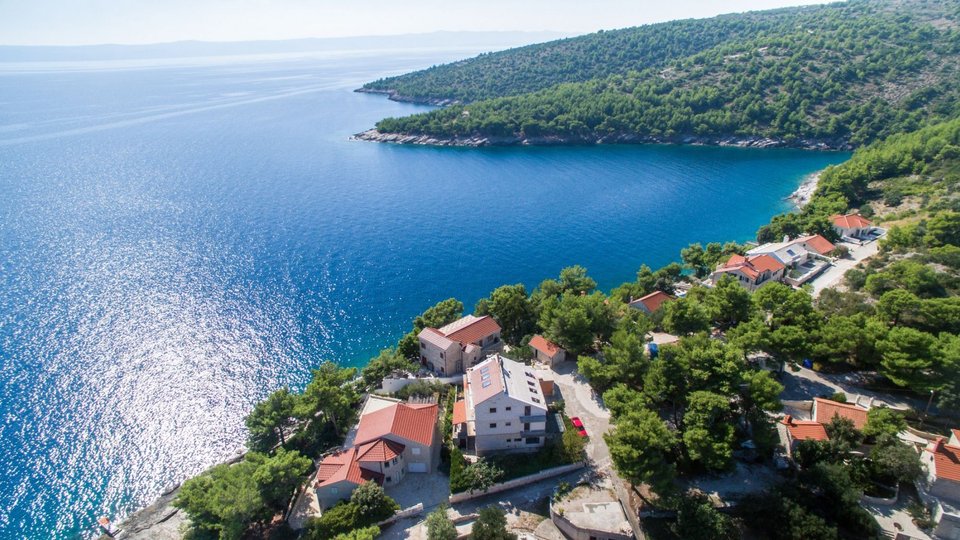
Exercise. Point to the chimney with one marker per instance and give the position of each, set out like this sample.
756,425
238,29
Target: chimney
788,420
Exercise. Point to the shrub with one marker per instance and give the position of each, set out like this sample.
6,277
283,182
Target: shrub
439,526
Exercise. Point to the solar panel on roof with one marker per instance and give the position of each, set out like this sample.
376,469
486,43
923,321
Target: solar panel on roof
485,384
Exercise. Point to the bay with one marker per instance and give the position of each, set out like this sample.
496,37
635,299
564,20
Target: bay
179,238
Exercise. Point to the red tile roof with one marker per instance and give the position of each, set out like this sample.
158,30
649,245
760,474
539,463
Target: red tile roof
413,422
459,412
850,221
752,267
476,330
818,243
343,466
765,263
379,450
825,410
654,300
544,345
805,429
946,459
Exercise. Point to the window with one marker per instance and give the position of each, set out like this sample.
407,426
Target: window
416,451
535,400
386,464
423,345
441,355
526,426
509,424
493,425
526,411
529,374
509,408
389,479
394,461
493,410
530,384
533,440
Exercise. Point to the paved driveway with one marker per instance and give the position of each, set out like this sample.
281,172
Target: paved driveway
833,275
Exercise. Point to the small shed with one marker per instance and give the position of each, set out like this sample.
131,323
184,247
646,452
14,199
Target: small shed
546,351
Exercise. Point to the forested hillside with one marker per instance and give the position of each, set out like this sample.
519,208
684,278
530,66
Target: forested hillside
535,67
836,76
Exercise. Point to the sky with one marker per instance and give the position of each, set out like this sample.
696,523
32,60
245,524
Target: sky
88,22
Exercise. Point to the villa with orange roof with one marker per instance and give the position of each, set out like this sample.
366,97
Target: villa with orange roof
503,408
752,271
851,225
460,344
824,410
546,351
941,484
794,431
651,302
391,439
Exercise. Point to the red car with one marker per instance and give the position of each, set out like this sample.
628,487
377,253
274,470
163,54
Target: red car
579,425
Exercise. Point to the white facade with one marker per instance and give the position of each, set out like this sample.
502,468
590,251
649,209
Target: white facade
509,414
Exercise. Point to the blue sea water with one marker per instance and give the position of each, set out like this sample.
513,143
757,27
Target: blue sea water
178,239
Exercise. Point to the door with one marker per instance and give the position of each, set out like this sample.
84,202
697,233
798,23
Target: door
417,467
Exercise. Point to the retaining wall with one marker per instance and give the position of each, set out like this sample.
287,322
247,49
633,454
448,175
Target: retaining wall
516,482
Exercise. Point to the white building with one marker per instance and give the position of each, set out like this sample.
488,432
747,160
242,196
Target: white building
851,225
460,344
796,251
941,484
503,408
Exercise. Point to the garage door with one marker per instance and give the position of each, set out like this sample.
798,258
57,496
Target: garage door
418,467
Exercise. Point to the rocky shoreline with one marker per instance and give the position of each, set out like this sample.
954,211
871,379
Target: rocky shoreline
623,138
801,197
392,95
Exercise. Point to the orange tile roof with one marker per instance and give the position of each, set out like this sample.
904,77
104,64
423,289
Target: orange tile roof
751,267
413,422
801,430
476,330
735,260
819,244
544,345
946,459
850,221
825,410
459,412
379,450
765,263
343,466
654,300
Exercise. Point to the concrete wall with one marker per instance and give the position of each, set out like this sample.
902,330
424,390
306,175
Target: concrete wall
948,524
569,529
329,496
517,482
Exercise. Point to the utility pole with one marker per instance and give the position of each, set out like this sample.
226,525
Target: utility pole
927,410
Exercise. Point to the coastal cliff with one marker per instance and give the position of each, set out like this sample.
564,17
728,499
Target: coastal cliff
375,135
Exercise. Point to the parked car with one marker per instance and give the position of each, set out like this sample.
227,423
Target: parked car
577,423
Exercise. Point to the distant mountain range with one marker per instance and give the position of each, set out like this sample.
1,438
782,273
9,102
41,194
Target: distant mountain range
191,49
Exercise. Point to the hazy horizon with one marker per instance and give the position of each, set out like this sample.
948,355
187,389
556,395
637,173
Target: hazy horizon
138,22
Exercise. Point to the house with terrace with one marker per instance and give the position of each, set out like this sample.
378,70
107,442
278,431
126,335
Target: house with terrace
390,440
804,257
503,408
851,225
752,271
940,485
460,344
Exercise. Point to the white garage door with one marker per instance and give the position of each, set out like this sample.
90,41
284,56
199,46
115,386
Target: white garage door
418,467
